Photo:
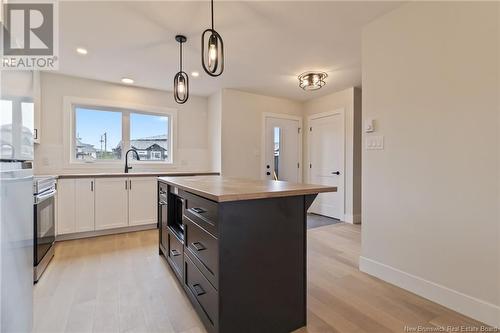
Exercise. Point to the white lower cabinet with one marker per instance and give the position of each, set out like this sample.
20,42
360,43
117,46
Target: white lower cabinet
75,205
66,223
142,202
84,204
111,203
88,204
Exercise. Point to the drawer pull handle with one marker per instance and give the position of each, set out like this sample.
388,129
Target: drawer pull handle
198,246
198,210
198,290
175,253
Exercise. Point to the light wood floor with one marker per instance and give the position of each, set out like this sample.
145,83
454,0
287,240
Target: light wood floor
119,283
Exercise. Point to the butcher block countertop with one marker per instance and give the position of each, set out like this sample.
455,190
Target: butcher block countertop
133,174
222,189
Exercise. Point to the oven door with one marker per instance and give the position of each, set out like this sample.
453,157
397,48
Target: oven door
44,225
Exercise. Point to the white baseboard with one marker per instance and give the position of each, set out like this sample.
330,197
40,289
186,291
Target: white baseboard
105,232
354,219
470,306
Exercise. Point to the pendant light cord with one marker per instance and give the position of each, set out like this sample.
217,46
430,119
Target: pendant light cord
212,9
180,62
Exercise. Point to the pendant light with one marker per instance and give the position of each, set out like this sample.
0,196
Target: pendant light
212,49
181,79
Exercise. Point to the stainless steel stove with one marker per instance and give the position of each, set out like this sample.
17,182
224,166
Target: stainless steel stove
44,191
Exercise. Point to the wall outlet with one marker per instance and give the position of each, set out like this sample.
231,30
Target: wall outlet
374,143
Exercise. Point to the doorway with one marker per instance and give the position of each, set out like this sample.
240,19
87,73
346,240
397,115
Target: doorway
282,148
327,161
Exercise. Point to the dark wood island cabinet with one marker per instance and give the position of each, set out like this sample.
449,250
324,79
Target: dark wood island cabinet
238,248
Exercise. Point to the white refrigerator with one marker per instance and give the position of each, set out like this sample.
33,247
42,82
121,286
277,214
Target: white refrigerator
16,201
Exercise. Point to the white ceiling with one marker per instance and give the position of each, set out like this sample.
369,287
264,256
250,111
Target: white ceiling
267,44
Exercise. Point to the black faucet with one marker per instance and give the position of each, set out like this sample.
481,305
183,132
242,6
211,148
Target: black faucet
127,168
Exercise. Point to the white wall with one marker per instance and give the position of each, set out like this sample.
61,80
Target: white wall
431,197
215,130
193,150
242,130
349,101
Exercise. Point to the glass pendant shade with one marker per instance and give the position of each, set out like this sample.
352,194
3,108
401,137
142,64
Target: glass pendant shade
212,50
181,79
181,87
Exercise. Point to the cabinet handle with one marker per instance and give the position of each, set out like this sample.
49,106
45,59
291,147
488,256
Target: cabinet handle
92,186
198,210
130,184
126,185
198,246
35,134
174,253
198,290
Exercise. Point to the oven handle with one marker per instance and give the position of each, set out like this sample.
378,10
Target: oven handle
45,196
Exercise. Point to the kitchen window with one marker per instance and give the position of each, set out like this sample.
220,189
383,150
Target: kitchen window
149,136
98,135
103,134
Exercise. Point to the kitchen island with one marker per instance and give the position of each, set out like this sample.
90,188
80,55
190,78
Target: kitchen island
238,248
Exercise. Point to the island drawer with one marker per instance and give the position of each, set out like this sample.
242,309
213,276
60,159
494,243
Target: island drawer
203,249
202,211
202,294
175,254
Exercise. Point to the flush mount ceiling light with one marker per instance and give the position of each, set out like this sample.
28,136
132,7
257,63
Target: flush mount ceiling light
127,80
312,80
212,49
81,50
181,79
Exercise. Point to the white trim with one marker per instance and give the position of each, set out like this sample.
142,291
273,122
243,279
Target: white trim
470,306
342,112
113,231
125,108
266,115
353,219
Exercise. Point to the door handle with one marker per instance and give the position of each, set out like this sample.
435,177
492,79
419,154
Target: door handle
198,290
336,173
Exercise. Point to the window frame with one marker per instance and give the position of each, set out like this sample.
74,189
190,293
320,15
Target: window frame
70,105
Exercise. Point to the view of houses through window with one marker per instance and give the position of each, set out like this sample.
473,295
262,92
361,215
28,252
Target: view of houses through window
99,135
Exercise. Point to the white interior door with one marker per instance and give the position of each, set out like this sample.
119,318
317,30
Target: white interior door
282,149
326,154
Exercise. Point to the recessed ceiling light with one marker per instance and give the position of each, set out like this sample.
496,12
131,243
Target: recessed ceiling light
195,74
82,51
127,80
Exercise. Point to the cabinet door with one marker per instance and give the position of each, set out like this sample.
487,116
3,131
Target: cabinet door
37,100
142,201
66,206
84,204
111,203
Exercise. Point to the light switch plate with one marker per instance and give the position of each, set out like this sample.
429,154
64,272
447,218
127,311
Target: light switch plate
374,143
369,125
